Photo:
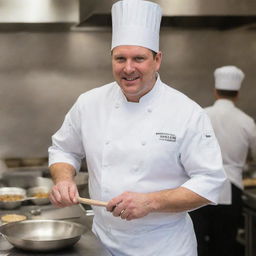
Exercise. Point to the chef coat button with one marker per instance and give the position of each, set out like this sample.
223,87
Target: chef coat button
143,143
136,169
117,105
107,142
149,110
105,165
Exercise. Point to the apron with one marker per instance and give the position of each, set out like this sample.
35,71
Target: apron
175,239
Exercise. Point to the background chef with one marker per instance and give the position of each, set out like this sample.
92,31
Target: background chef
236,133
151,151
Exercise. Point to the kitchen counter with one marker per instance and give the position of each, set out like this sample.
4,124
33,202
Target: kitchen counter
88,245
249,182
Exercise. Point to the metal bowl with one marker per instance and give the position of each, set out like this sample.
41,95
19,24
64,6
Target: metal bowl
42,235
11,191
24,179
20,178
41,189
41,181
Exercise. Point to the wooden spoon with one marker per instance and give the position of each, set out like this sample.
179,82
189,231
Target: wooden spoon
91,202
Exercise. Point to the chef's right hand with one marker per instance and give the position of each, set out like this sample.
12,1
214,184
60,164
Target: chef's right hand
64,193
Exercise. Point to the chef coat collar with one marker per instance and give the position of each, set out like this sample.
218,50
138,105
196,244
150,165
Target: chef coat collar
224,102
147,98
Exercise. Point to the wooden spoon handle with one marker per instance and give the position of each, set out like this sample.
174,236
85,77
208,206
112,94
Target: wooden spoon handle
91,202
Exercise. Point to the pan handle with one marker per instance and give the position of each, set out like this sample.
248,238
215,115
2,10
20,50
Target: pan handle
91,202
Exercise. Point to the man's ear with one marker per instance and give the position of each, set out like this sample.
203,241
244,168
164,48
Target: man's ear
158,59
215,93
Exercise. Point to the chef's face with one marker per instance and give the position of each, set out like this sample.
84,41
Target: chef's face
134,69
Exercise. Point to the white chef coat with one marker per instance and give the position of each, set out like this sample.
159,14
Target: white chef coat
162,142
236,133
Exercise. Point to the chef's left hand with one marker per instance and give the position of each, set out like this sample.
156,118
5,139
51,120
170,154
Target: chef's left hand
130,205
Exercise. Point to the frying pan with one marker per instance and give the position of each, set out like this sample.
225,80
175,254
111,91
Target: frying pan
42,235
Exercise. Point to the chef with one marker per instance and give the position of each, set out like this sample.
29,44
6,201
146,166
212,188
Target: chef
216,226
151,151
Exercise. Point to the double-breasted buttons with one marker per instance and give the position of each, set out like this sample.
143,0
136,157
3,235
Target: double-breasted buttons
149,110
135,169
143,143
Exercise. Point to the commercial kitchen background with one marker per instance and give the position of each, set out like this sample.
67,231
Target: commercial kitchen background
52,51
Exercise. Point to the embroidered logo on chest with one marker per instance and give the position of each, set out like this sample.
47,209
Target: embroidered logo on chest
166,136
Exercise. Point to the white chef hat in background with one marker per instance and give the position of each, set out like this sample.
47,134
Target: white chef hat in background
136,22
228,78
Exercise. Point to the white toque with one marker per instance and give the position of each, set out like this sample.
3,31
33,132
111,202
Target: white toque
228,78
136,22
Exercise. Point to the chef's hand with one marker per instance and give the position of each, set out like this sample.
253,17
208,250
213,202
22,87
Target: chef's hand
130,205
64,193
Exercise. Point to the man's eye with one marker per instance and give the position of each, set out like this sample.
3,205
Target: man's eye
120,59
139,59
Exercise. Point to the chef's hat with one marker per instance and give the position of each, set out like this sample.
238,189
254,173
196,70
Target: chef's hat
136,22
228,78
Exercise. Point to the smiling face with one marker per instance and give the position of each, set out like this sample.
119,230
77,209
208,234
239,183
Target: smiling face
134,69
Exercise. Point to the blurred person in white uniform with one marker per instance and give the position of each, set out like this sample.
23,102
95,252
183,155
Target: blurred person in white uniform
216,226
151,151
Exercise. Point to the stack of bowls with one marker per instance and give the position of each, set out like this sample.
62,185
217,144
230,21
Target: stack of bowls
15,196
40,193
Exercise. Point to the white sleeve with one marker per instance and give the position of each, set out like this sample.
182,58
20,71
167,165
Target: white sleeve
201,158
67,143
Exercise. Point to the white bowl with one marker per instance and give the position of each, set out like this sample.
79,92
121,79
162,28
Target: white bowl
12,191
31,192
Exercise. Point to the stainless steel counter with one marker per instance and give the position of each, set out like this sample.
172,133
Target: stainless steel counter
88,245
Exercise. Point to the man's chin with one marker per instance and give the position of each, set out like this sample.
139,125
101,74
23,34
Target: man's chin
132,95
131,90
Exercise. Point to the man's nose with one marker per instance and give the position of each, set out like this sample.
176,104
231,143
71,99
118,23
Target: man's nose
129,67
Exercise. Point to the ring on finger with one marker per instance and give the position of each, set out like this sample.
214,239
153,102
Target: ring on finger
122,212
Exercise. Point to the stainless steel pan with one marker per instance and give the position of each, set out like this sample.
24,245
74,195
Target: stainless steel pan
42,235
